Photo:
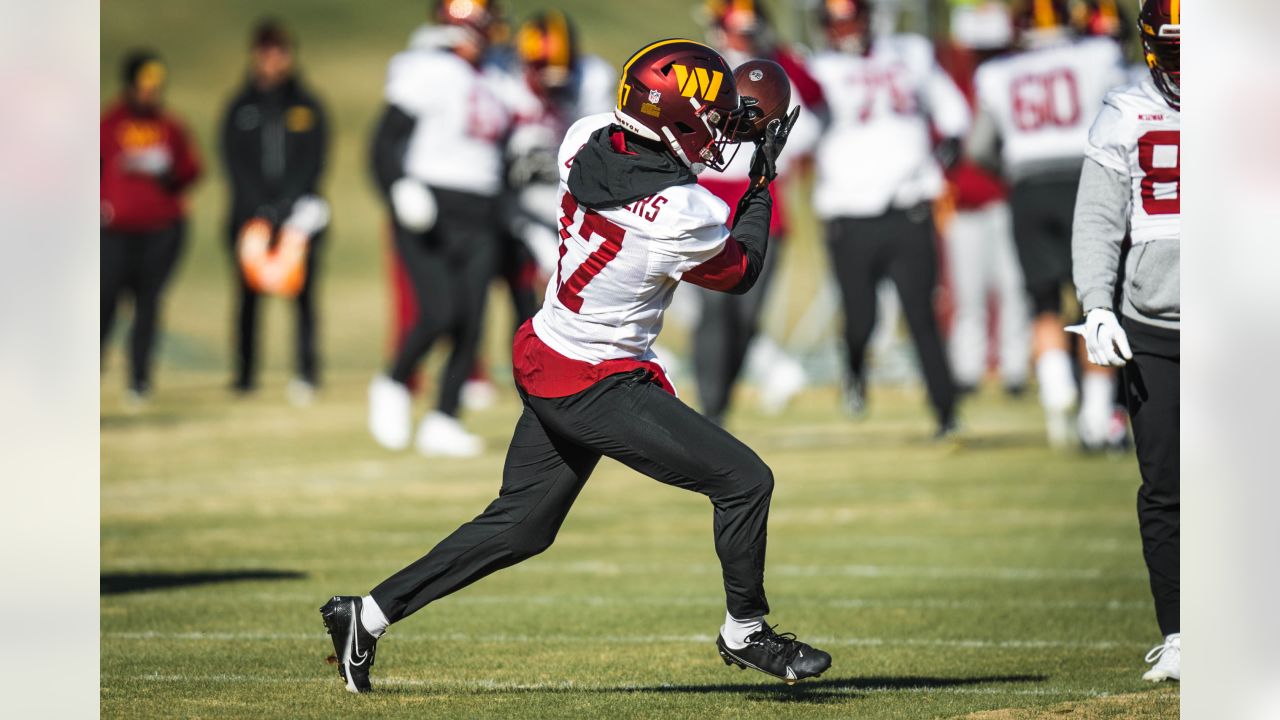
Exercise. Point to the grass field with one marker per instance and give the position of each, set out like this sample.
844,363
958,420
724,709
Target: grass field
946,581
992,580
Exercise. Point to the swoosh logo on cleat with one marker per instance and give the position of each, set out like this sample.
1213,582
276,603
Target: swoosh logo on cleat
791,674
355,640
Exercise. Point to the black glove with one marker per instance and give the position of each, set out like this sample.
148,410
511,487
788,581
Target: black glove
947,153
764,163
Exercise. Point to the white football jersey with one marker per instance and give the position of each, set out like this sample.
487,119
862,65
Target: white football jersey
1042,102
877,152
620,266
1138,135
461,121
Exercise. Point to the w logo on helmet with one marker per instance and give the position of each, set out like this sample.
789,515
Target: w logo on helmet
702,82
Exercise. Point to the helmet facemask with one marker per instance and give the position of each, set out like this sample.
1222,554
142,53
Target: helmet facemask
1162,50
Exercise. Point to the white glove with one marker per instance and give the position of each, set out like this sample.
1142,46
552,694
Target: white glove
414,205
154,160
310,215
1106,341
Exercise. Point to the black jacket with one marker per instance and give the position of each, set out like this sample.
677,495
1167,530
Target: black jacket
273,147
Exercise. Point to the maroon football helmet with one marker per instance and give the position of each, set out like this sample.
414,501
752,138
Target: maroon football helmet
1037,23
682,94
1160,24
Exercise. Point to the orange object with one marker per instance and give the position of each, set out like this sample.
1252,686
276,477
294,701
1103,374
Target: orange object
279,270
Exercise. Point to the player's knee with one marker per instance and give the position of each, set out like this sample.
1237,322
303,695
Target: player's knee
525,542
757,477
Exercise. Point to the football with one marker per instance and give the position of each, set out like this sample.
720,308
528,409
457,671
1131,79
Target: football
766,91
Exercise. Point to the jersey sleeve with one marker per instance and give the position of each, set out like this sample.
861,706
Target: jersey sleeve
947,106
695,231
1108,141
408,75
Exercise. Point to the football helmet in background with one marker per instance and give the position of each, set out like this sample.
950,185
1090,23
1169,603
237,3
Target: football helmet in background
1037,23
479,17
548,47
1159,22
681,93
847,24
1100,18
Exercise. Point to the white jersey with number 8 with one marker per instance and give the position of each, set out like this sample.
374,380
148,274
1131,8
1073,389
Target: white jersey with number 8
620,266
1042,101
1138,135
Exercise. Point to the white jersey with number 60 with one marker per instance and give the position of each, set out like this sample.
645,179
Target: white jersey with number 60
619,266
1138,135
1042,101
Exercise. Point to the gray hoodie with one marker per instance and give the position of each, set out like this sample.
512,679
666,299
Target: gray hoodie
1151,273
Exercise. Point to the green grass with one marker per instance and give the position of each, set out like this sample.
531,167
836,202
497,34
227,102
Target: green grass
996,578
944,580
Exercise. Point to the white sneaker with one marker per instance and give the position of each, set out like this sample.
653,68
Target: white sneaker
300,392
439,434
390,407
1168,660
1060,428
479,394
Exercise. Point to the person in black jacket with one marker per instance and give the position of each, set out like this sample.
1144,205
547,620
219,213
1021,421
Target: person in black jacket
274,139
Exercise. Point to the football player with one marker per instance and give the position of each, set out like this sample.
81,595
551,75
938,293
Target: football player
982,261
634,223
741,30
438,159
1131,185
1034,109
554,86
878,173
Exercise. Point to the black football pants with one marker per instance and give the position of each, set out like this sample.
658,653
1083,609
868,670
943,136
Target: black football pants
450,267
140,264
556,445
898,245
306,363
1151,384
725,330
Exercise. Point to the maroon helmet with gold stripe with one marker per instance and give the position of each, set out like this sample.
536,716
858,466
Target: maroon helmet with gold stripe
681,93
1160,24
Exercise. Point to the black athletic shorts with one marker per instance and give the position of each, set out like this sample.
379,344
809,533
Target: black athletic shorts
1042,215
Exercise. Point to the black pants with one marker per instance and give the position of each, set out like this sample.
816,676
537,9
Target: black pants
723,336
898,245
556,445
1151,383
450,268
307,361
138,263
1043,210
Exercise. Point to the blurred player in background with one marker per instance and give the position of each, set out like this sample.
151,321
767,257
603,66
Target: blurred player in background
274,144
1131,186
635,224
547,84
981,257
1034,109
438,158
878,173
148,163
741,30
553,87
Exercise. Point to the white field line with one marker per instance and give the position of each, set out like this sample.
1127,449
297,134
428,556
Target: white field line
714,601
494,685
502,638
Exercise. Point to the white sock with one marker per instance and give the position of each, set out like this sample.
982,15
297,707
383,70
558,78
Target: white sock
1098,392
1057,384
735,631
371,617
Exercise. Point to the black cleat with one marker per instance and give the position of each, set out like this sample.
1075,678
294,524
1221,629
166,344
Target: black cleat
353,646
782,656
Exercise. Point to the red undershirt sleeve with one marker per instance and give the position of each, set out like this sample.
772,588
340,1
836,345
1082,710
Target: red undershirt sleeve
722,272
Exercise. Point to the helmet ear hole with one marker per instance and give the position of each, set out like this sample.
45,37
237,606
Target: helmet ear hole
683,128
